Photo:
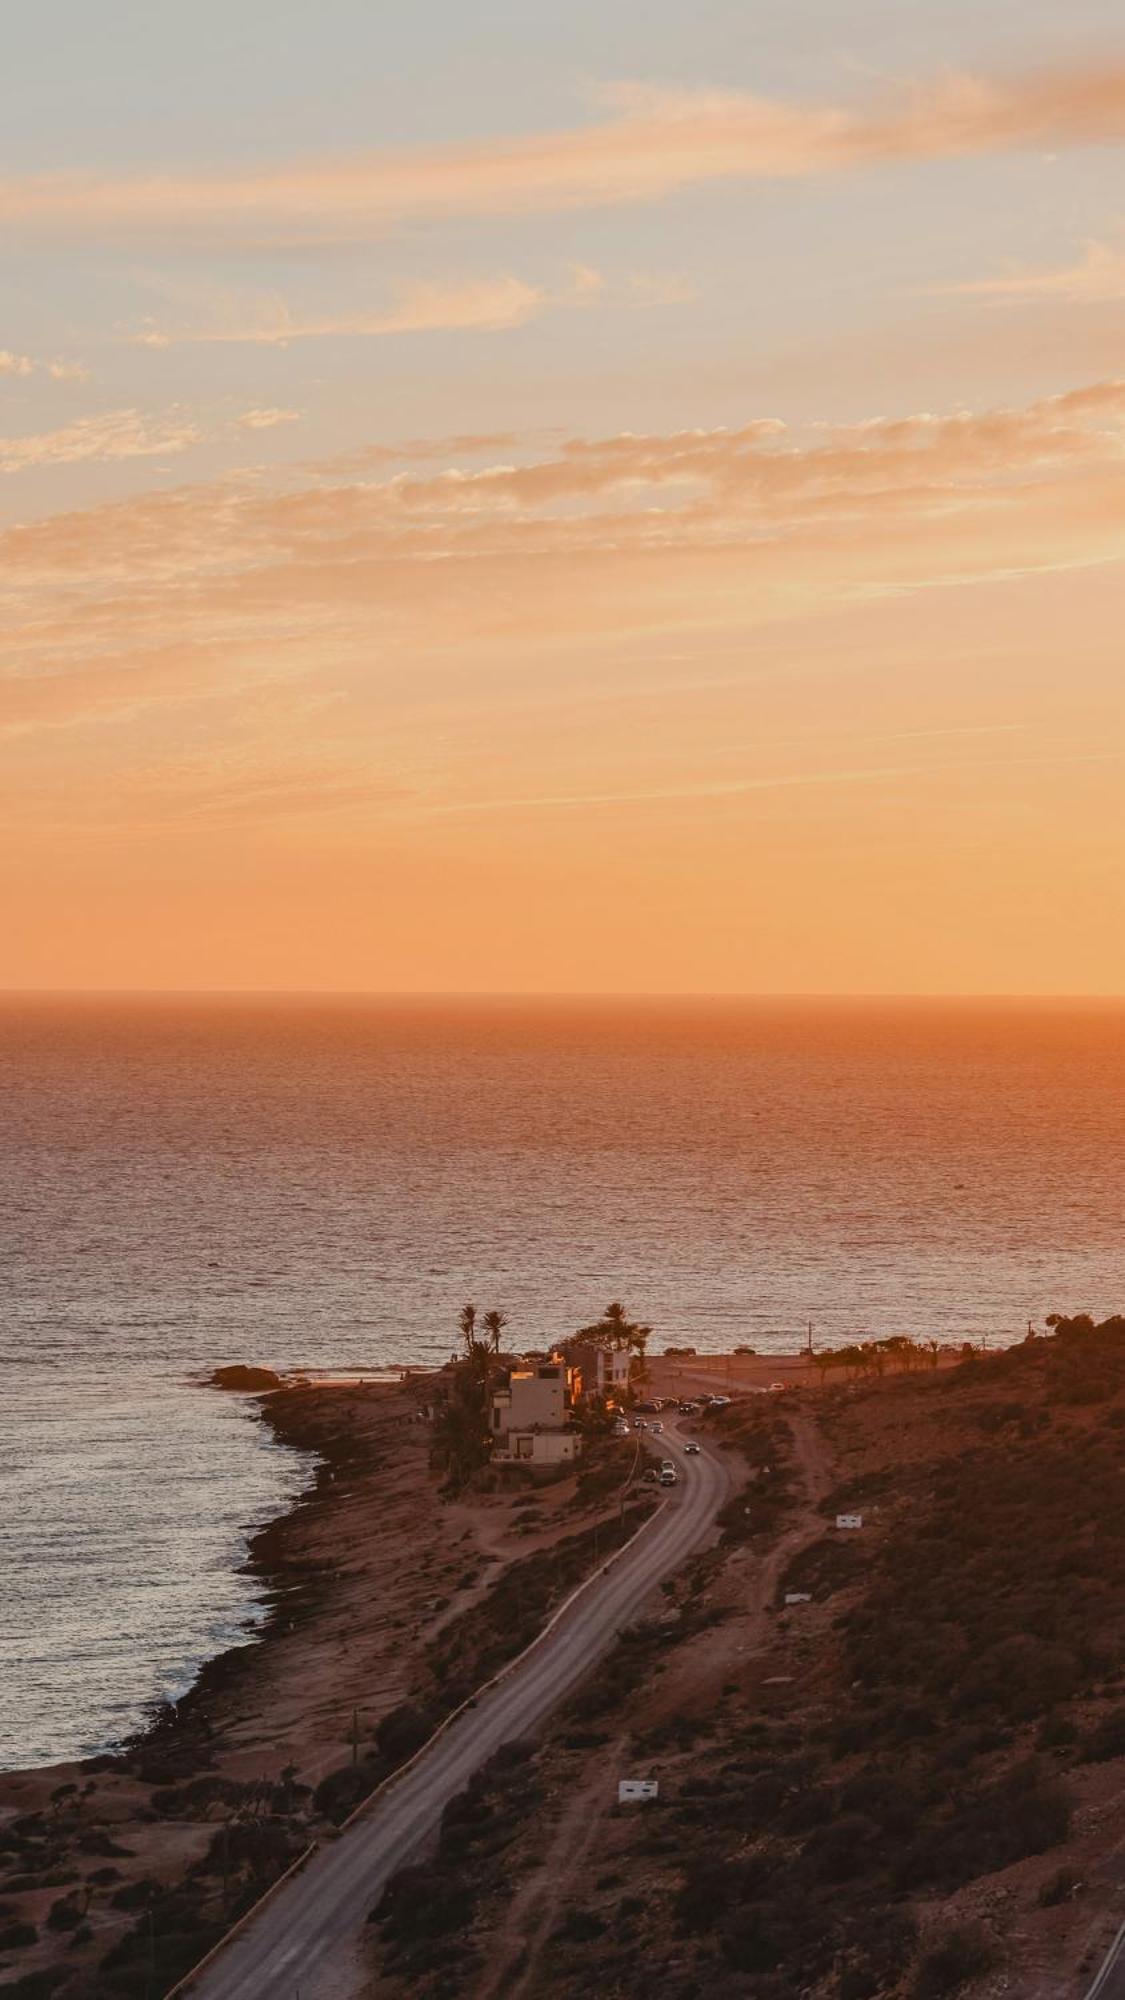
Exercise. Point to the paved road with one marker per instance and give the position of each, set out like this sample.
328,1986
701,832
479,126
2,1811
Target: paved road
1109,1981
289,1947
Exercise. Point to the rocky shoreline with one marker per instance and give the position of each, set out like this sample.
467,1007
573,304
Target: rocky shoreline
385,1603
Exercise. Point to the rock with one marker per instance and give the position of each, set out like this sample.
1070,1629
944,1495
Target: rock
239,1376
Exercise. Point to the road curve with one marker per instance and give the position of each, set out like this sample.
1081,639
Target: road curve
1109,1980
289,1944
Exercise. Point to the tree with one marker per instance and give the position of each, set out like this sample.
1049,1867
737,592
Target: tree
616,1329
494,1324
467,1321
822,1362
461,1434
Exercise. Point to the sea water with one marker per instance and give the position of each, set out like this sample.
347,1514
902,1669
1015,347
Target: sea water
323,1184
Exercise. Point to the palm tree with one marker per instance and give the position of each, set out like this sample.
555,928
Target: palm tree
621,1330
494,1324
617,1323
467,1321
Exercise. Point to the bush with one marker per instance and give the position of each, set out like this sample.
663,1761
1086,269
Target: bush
1106,1739
580,1927
1018,1815
342,1790
135,1895
417,1905
1058,1888
963,1954
14,1937
404,1731
64,1915
37,1985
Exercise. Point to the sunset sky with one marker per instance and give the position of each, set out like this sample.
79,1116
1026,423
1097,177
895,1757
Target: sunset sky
539,497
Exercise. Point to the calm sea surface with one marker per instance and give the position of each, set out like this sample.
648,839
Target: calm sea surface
323,1184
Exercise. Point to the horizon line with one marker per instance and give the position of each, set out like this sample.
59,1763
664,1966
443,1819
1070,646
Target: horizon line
555,994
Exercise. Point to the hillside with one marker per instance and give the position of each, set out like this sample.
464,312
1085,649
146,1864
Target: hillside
908,1785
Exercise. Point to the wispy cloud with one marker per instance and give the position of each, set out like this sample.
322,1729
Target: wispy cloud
59,371
652,142
116,434
481,305
1097,278
684,530
267,420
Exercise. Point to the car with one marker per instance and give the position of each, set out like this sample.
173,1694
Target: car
656,1427
651,1473
641,1424
719,1402
777,1385
691,1447
667,1475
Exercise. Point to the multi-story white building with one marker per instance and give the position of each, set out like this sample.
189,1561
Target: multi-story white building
530,1416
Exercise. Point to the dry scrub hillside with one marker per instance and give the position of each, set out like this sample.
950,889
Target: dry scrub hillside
910,1785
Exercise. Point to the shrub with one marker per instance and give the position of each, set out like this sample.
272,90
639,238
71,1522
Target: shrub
64,1915
135,1895
37,1985
342,1790
404,1731
1106,1739
417,1905
963,1954
13,1937
1058,1888
580,1927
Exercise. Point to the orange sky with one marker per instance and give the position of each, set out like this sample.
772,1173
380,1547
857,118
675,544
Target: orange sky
677,548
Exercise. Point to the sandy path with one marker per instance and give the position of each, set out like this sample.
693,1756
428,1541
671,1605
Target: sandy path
534,1909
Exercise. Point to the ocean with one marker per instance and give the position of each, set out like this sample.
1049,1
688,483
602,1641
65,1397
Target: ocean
322,1183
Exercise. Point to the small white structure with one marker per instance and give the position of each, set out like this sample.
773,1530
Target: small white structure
849,1520
631,1789
798,1597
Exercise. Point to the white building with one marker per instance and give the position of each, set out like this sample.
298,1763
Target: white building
530,1416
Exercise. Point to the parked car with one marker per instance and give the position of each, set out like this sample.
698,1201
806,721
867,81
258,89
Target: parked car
691,1447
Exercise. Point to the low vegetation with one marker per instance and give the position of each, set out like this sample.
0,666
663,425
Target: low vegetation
833,1843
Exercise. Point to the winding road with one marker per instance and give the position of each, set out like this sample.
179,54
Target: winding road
292,1944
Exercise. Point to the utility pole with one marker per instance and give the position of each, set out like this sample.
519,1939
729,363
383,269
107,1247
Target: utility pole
355,1737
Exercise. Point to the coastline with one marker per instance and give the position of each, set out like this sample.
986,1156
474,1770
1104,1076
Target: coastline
385,1605
265,1559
